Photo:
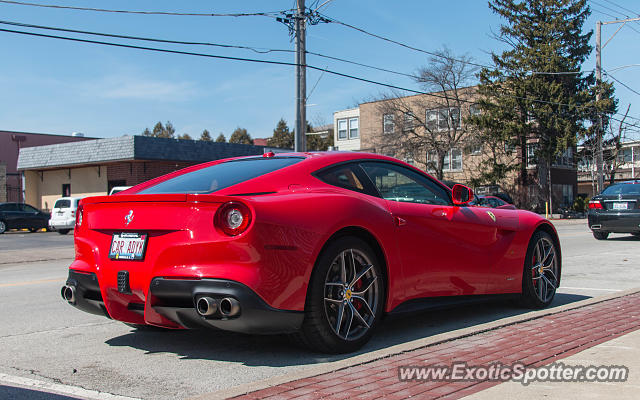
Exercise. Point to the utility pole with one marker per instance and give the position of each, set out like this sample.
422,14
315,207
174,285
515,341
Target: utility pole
300,140
600,130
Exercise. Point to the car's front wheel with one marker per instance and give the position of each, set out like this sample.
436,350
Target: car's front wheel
601,235
3,227
541,275
345,299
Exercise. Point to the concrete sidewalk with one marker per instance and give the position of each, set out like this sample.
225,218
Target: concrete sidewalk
535,341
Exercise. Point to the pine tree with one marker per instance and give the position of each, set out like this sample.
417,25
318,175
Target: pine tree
205,136
221,138
240,135
536,90
282,137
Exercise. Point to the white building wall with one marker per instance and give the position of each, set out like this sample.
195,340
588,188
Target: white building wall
346,118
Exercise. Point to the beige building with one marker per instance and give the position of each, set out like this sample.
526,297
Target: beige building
429,130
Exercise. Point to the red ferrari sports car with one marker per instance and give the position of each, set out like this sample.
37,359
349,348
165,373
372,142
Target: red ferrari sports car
320,245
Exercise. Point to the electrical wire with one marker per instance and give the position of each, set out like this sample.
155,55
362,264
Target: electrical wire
623,84
260,50
262,14
272,62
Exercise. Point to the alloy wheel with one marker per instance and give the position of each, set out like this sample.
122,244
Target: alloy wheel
544,269
351,294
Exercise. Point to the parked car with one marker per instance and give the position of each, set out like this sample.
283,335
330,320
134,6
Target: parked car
320,245
118,189
22,216
63,215
616,209
493,202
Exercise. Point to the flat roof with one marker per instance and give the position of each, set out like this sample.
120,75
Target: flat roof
129,148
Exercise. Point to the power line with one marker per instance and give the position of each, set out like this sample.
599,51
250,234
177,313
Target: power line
261,50
623,84
255,49
272,62
434,54
623,8
262,14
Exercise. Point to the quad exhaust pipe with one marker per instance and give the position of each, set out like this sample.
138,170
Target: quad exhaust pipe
229,307
68,293
206,306
210,307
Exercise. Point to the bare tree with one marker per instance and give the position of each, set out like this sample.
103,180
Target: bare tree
426,127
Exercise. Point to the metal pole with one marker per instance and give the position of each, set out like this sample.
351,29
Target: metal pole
599,130
301,78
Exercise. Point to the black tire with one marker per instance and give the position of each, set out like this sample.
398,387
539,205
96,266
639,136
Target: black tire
34,230
362,306
636,234
539,285
3,227
63,231
601,235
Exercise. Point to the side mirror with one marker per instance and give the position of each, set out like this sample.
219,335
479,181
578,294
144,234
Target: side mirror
461,194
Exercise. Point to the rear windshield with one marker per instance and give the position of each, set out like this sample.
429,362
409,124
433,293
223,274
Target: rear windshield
63,203
220,176
623,188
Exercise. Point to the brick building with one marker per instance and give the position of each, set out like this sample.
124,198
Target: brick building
10,144
92,168
387,126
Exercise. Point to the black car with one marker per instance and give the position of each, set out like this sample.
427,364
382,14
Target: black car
19,216
616,209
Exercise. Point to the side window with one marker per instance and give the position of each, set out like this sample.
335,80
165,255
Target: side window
398,183
28,208
342,176
10,207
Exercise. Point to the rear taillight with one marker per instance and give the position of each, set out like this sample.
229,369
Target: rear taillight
79,217
595,204
233,218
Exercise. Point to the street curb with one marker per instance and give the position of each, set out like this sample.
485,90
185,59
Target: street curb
404,347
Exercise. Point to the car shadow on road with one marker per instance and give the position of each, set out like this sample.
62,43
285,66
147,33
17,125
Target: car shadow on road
279,350
624,239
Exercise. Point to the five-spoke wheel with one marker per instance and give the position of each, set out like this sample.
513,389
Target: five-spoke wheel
541,276
345,299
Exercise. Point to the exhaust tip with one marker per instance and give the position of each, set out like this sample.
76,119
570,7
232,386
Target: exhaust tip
597,226
68,293
229,307
206,306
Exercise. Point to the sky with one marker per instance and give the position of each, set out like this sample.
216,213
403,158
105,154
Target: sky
56,86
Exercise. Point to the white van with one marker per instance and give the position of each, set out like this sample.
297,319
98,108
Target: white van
63,215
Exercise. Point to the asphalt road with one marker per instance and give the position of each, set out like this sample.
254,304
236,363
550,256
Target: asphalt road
44,339
23,240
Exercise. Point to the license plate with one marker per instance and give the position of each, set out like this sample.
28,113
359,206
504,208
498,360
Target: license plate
128,246
620,206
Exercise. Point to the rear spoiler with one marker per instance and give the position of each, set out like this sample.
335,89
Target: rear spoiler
169,197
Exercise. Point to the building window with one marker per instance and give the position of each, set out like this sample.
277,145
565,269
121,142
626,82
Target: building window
388,124
476,149
474,110
342,129
531,155
408,122
509,147
443,118
353,128
452,161
66,190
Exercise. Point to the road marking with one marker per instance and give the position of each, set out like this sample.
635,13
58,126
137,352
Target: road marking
62,389
32,282
588,288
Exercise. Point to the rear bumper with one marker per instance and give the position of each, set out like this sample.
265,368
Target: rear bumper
174,300
63,223
621,222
